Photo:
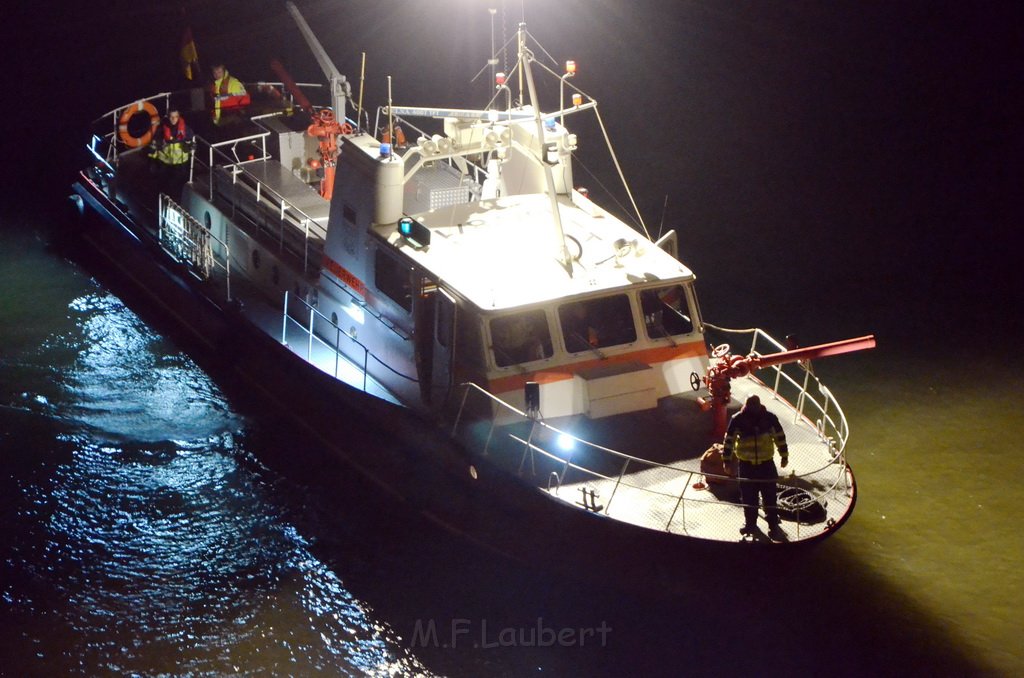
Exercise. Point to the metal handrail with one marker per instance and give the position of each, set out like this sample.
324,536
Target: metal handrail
367,353
798,378
115,114
164,202
313,314
832,429
679,500
287,211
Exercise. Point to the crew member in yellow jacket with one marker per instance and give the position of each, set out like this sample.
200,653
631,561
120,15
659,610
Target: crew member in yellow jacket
173,142
754,436
227,92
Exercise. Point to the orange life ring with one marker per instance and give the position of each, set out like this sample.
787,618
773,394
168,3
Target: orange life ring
129,113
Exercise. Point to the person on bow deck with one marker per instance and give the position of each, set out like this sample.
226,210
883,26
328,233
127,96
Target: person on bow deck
754,436
227,91
174,140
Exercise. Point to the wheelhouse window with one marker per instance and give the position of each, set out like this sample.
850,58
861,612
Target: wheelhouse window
597,323
666,312
393,279
520,338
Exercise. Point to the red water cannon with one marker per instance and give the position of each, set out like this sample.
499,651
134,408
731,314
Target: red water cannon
724,367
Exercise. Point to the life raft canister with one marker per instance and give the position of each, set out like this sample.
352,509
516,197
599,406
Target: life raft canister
129,113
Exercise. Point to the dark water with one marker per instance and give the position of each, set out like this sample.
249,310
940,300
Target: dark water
833,170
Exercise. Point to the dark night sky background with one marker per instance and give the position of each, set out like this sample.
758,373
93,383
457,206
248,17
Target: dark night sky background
845,167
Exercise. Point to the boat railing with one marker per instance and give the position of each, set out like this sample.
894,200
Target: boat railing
256,201
796,385
187,240
228,149
477,173
312,323
114,116
313,317
225,163
184,98
664,489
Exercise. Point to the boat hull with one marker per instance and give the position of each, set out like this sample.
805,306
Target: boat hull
416,464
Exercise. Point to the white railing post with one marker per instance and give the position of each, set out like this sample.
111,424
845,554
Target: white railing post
458,415
305,249
366,361
615,489
309,348
284,320
337,350
679,502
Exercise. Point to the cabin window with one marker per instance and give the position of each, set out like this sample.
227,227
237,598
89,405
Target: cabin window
520,338
392,278
597,323
666,312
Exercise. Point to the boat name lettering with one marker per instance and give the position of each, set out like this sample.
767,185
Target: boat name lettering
345,275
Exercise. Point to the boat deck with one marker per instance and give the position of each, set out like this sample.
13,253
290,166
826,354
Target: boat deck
661,486
297,193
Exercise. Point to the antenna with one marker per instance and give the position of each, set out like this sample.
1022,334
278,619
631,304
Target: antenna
525,57
359,109
493,61
664,209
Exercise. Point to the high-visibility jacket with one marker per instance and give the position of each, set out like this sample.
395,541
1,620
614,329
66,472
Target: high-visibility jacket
173,149
229,92
754,436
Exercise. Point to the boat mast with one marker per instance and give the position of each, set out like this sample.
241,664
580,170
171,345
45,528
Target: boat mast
525,57
340,89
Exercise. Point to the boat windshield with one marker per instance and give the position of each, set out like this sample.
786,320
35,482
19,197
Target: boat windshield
520,338
597,323
666,312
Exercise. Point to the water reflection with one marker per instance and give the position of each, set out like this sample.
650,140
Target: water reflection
128,382
146,538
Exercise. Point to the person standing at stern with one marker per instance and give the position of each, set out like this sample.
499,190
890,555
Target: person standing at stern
754,436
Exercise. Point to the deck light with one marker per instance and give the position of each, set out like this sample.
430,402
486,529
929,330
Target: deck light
566,441
570,67
577,98
414,232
